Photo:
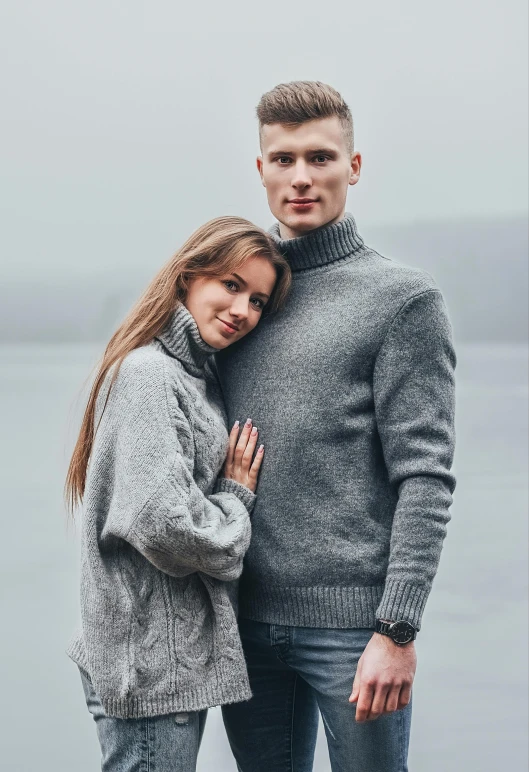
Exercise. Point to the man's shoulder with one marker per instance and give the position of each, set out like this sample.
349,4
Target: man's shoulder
396,279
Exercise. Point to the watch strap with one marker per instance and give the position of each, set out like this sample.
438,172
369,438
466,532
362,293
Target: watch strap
383,627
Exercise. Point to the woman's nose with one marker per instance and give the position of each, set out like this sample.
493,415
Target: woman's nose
239,307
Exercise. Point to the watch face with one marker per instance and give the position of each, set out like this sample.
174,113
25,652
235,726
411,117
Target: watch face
402,632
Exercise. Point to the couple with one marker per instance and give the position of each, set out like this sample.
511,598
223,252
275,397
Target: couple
341,362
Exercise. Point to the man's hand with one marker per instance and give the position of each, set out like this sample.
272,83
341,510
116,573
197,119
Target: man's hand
384,678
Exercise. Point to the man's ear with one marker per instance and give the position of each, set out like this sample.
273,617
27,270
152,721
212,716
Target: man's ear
356,165
259,162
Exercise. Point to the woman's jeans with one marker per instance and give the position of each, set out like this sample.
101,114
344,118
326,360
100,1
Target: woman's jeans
158,744
296,672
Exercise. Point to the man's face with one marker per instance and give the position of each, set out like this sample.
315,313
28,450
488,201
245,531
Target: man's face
306,171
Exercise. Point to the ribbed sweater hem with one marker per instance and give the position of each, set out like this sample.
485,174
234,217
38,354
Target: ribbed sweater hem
333,607
208,695
338,607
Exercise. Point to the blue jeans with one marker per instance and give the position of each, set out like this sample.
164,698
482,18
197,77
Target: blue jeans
159,744
294,672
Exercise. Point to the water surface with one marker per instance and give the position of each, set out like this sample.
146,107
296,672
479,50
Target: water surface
470,702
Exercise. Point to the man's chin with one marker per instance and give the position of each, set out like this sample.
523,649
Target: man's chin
302,224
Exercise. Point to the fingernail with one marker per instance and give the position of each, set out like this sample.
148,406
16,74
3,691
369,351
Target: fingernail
254,431
235,425
260,449
248,422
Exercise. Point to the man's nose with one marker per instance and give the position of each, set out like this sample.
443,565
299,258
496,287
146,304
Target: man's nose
302,177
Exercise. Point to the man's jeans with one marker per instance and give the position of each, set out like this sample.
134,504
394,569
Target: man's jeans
160,744
294,671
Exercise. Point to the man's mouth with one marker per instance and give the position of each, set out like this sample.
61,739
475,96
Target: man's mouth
302,204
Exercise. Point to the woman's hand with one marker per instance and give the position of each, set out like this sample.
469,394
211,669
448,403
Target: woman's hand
241,465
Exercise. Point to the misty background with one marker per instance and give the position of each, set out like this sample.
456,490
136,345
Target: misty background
124,127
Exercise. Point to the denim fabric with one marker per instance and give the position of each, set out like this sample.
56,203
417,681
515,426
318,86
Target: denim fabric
167,743
294,671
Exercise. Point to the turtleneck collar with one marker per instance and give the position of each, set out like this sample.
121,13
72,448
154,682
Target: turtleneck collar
321,246
182,340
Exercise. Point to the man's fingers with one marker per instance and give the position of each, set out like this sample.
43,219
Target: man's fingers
404,696
392,700
356,684
365,700
378,703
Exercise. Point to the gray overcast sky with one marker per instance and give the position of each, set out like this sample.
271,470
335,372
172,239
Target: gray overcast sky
127,124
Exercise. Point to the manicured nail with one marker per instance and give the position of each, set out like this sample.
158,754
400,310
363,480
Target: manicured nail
254,431
248,422
260,449
236,425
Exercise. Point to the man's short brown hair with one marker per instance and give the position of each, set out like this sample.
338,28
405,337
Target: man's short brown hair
304,100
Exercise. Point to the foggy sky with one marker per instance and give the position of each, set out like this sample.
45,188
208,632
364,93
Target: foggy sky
137,118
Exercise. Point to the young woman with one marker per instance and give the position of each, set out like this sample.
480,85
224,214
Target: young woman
163,536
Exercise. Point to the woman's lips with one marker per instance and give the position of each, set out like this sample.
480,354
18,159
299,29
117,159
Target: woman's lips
227,327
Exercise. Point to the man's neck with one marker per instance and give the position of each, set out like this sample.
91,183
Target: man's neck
287,233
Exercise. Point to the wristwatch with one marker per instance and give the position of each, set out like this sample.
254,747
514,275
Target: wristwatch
400,632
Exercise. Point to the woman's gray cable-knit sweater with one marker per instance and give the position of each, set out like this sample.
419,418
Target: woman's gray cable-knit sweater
162,539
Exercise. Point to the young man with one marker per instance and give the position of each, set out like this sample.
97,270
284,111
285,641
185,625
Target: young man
352,389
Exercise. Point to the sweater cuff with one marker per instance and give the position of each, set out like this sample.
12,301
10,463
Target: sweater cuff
403,601
243,493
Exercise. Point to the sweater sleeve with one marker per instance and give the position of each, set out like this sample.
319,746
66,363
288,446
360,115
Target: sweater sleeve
414,405
155,503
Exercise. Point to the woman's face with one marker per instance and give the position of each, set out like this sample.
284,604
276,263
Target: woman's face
226,308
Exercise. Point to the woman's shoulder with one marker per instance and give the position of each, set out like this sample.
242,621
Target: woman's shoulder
140,378
143,368
145,361
144,393
149,372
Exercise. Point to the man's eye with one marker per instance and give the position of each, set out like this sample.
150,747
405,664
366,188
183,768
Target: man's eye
231,285
320,159
284,159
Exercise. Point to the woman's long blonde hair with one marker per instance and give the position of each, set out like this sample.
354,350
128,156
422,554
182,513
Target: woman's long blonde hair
216,249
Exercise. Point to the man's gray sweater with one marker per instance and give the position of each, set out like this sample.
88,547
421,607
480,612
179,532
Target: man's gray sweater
352,390
162,539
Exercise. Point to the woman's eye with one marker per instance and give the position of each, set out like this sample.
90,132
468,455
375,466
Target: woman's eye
231,285
258,303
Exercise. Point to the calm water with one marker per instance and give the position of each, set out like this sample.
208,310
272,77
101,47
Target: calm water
471,690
